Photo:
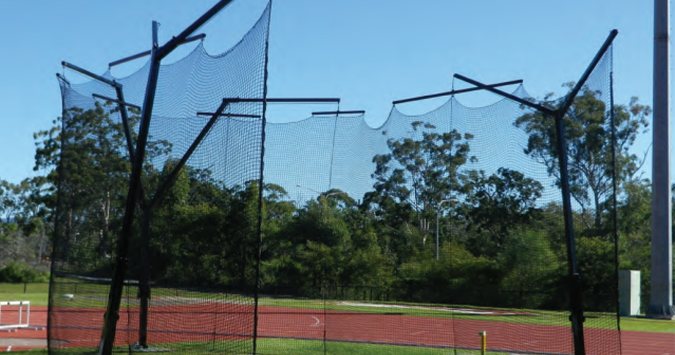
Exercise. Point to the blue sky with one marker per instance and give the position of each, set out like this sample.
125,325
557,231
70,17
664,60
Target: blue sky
366,52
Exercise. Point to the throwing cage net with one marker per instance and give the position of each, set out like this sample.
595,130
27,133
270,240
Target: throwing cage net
327,235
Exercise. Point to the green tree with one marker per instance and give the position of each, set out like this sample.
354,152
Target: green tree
456,278
23,230
410,182
496,204
589,147
324,241
529,264
420,173
85,155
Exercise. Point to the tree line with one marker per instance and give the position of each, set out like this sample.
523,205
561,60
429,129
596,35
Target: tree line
498,242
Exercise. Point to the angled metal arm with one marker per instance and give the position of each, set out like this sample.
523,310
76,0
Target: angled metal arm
89,74
507,95
168,182
228,115
582,81
119,102
355,112
297,100
181,38
453,92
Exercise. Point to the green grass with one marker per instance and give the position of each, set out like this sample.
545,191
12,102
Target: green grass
283,347
38,287
36,293
648,325
287,347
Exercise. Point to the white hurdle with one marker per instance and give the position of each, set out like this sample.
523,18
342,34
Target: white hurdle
19,324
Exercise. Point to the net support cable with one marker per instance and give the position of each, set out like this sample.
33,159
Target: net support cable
576,293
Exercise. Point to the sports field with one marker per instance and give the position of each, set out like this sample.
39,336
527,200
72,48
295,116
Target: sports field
365,328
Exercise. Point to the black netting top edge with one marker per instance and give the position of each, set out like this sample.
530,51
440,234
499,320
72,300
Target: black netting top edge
198,50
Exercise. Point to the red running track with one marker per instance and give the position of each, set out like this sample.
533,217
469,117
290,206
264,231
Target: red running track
225,322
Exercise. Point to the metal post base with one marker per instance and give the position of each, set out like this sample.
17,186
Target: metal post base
661,311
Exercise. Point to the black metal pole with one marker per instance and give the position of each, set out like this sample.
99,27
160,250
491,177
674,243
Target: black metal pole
125,122
576,303
354,112
127,133
176,41
615,215
144,287
146,115
229,114
119,102
115,296
88,73
297,100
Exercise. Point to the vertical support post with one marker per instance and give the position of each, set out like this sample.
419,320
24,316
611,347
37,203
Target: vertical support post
115,296
261,186
146,115
144,286
615,215
576,300
661,302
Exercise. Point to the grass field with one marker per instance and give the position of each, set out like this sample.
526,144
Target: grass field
36,293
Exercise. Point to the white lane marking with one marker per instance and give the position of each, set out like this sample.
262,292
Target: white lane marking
9,348
318,322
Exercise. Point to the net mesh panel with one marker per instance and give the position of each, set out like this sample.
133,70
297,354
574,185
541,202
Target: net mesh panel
203,234
349,226
354,255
